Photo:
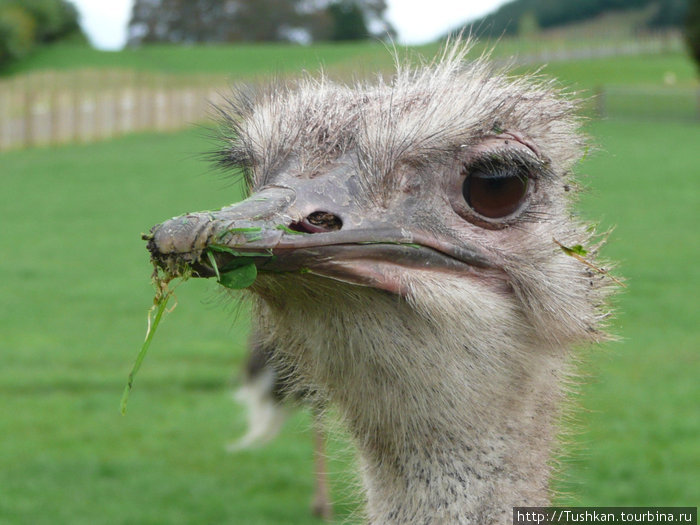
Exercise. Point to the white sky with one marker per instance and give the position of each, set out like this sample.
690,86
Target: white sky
417,21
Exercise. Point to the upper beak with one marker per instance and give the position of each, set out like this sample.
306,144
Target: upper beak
251,226
264,230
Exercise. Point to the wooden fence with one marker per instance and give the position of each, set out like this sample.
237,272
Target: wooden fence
544,51
55,108
83,106
651,103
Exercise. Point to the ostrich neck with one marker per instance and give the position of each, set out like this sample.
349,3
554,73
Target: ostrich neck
440,452
448,470
452,415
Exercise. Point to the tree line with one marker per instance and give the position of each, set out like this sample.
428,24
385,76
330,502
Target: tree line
193,21
510,18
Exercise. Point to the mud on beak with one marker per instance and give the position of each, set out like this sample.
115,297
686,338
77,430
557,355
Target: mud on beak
265,230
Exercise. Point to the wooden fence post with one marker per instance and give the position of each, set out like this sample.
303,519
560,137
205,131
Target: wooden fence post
54,110
28,115
74,130
5,116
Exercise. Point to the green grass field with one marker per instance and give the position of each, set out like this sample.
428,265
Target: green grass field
243,60
75,291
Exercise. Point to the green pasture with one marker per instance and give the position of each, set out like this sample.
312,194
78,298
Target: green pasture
246,60
75,289
642,70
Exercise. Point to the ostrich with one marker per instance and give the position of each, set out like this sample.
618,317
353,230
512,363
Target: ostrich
410,239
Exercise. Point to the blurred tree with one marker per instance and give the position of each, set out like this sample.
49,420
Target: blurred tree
212,20
375,16
692,30
348,21
55,19
17,33
254,20
25,23
268,20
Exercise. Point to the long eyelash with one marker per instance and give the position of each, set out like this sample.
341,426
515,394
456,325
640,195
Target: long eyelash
504,162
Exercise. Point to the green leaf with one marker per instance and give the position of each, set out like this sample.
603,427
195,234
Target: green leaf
226,249
574,250
578,249
241,277
245,231
586,150
212,261
160,303
288,230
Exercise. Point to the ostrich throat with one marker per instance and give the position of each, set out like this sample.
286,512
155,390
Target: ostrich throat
453,418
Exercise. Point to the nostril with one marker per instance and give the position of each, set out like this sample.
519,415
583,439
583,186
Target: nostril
318,222
325,220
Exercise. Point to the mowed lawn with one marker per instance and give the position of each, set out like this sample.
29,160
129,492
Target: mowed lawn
75,290
636,435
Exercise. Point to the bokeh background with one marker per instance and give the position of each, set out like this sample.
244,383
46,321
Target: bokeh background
98,145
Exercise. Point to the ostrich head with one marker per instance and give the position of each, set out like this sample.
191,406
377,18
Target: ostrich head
406,235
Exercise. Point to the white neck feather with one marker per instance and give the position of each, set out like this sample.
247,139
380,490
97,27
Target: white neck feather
452,411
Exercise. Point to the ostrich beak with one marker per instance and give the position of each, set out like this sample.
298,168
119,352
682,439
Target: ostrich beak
267,229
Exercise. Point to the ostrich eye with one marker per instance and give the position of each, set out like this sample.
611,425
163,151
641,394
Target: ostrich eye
495,195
